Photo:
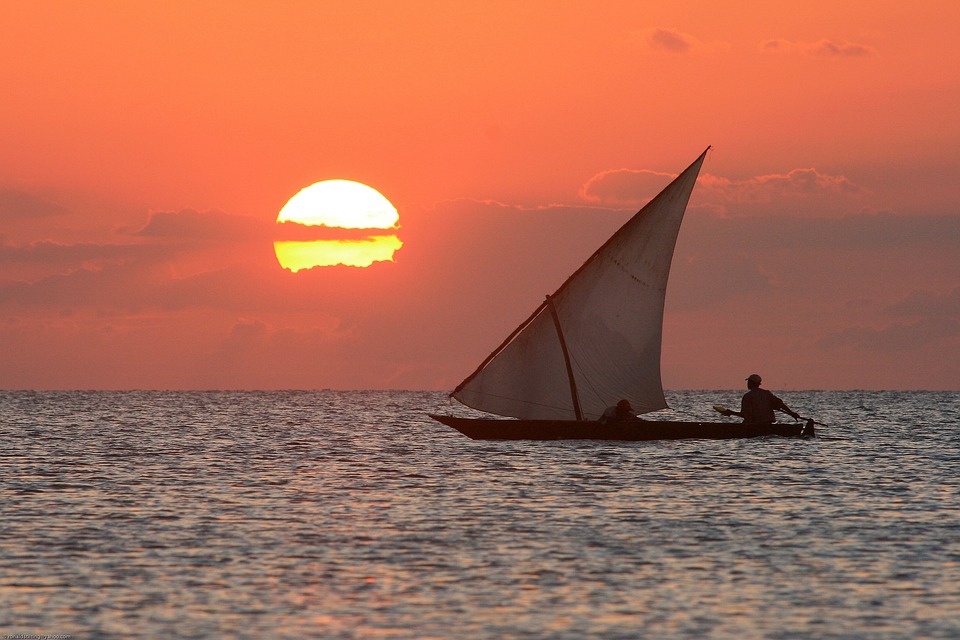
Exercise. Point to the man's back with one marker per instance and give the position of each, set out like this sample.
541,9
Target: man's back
758,405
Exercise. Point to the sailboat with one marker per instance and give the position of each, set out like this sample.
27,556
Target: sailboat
594,342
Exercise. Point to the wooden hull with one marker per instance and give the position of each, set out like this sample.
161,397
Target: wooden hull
496,429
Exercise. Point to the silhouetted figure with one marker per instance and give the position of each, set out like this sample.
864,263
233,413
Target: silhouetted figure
623,411
758,405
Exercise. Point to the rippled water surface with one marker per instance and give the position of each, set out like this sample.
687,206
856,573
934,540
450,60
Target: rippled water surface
353,515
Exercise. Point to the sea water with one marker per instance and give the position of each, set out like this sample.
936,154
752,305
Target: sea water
354,515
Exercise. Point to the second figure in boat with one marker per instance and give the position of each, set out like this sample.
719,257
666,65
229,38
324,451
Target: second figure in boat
623,412
758,405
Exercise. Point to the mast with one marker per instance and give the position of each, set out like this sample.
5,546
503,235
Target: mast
566,359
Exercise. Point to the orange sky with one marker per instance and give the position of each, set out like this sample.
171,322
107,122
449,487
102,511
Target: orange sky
148,146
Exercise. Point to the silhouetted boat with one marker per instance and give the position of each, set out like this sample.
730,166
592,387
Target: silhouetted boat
594,342
497,429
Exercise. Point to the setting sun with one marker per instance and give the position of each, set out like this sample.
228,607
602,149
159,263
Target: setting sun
296,255
338,205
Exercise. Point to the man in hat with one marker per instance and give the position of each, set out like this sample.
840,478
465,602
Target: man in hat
758,405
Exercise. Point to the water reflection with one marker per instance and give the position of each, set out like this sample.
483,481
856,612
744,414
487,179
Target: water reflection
345,515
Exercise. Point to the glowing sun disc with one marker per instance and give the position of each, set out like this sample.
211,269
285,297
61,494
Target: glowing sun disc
340,203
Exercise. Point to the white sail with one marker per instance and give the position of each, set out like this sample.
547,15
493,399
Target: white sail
603,342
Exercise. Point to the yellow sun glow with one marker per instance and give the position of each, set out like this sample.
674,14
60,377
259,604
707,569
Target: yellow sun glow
296,255
339,204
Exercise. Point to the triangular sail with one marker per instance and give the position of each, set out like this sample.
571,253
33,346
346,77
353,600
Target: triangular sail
610,313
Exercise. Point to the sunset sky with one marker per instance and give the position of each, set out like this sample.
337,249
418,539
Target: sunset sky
146,149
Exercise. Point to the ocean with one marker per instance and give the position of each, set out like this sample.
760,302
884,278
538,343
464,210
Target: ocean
353,515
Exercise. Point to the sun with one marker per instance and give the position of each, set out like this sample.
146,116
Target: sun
340,203
336,222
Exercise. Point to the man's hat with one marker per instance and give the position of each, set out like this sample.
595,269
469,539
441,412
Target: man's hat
753,377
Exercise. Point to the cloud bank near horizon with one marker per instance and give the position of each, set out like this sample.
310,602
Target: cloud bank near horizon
218,269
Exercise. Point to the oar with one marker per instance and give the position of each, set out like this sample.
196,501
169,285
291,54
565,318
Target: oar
719,408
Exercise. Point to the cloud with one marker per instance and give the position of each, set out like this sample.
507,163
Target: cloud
700,283
928,304
935,317
296,231
241,280
21,205
725,196
824,48
807,188
669,40
673,41
901,336
58,255
880,233
189,224
127,286
877,234
255,353
857,262
803,181
217,226
249,325
210,240
56,275
624,186
249,330
832,49
254,334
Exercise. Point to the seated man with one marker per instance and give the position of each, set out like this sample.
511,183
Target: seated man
620,413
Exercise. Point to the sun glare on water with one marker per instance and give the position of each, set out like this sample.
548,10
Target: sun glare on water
338,205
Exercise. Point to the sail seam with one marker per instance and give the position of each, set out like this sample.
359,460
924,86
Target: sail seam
636,278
